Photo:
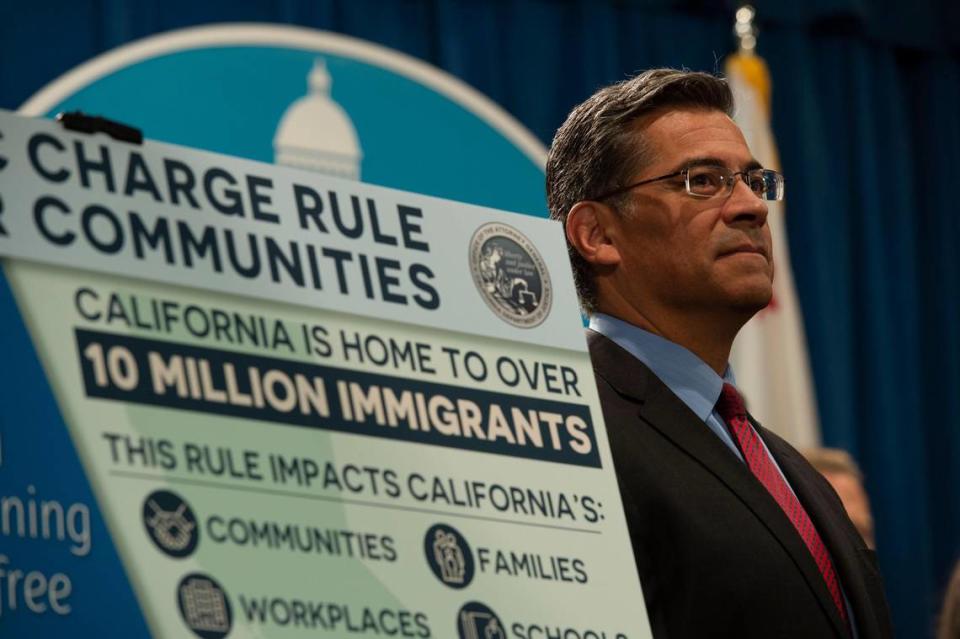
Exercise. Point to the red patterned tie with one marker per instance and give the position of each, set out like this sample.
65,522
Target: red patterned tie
730,406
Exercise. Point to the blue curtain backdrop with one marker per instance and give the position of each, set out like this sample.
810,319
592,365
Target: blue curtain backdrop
867,114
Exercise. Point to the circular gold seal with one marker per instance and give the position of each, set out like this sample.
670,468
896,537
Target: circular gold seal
510,274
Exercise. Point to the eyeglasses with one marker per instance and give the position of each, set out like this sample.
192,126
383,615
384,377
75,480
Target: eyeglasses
706,181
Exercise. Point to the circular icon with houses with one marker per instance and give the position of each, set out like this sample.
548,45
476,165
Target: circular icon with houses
170,523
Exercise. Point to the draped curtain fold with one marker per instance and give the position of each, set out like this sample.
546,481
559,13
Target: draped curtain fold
866,110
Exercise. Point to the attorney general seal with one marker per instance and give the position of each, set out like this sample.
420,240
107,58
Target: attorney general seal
510,274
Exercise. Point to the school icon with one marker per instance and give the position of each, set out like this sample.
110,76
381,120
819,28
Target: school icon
476,621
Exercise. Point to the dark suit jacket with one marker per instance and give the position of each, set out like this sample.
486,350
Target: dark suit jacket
717,557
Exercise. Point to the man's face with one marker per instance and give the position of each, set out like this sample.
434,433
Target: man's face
680,253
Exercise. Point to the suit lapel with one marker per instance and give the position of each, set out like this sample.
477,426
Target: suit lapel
843,550
666,413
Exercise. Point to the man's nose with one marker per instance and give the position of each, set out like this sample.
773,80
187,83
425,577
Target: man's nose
743,205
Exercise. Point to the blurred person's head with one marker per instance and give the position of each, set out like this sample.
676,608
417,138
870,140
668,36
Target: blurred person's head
949,626
838,467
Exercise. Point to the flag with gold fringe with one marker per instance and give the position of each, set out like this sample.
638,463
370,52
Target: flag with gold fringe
769,357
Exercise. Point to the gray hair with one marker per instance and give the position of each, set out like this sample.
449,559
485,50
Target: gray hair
596,149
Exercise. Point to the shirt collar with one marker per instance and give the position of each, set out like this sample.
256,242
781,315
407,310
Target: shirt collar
688,376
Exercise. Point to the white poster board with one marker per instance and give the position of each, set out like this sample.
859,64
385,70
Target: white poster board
307,405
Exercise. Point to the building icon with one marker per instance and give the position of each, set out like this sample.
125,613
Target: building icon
315,133
204,605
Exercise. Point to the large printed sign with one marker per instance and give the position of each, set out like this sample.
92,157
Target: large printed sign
284,404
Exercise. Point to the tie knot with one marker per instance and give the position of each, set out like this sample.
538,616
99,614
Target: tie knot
730,405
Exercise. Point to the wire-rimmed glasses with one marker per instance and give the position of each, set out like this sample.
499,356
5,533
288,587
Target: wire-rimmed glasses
707,181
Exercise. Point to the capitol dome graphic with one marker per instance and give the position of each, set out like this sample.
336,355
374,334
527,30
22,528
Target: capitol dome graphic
315,133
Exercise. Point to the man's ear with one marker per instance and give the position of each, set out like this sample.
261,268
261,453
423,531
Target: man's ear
588,231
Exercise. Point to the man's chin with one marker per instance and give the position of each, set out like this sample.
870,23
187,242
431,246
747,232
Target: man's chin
756,302
752,297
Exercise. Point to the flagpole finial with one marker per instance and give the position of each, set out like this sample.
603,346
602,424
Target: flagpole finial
745,30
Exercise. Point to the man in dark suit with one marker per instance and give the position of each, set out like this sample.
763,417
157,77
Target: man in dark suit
664,207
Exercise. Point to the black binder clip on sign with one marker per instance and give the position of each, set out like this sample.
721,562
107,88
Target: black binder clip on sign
83,123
